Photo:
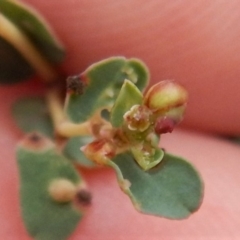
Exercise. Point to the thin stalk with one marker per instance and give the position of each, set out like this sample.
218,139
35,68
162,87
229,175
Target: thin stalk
16,38
62,125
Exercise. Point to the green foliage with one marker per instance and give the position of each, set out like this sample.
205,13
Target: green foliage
129,123
128,96
156,182
103,81
173,189
72,151
31,114
32,25
161,184
40,163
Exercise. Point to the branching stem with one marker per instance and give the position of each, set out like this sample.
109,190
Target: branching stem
62,125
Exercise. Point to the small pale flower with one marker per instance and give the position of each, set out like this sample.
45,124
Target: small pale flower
138,118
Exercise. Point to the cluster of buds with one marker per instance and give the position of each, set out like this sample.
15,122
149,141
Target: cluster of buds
163,106
138,118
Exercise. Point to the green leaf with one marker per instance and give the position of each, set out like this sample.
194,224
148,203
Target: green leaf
173,189
31,114
13,67
39,165
103,82
35,27
129,96
72,151
146,160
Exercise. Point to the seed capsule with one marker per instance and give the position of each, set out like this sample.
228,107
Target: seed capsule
165,96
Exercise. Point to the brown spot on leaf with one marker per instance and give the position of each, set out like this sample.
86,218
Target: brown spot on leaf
75,84
35,138
36,142
84,197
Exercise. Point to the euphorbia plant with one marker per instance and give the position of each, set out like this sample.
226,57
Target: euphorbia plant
107,119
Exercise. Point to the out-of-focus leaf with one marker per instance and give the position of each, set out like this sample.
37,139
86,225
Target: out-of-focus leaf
129,95
39,165
13,67
31,114
72,151
103,82
173,189
35,27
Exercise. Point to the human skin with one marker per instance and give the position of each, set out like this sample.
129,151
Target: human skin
193,42
111,214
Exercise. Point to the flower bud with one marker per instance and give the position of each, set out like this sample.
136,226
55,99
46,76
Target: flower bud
137,118
164,96
164,125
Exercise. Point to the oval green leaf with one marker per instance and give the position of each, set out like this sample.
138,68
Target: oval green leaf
103,82
39,164
173,189
31,114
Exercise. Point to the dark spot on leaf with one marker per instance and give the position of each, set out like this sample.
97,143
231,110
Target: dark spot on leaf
84,197
35,138
75,84
36,142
